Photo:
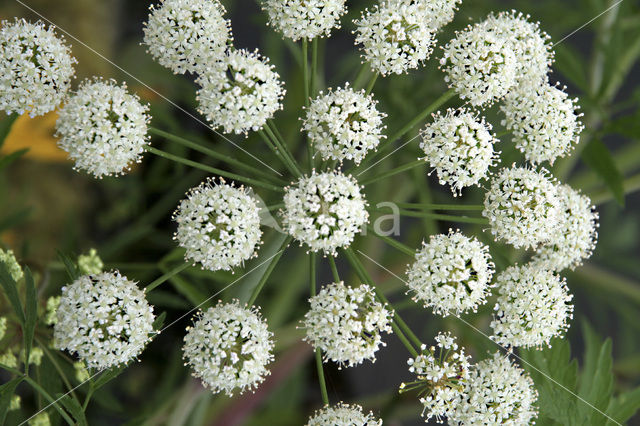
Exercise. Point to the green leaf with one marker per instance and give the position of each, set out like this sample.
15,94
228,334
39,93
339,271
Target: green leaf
568,62
70,266
74,408
596,155
5,127
107,376
8,159
11,290
628,126
31,314
624,406
6,393
159,321
596,379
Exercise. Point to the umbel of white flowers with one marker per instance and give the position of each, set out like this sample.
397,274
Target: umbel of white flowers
228,348
36,68
104,319
343,414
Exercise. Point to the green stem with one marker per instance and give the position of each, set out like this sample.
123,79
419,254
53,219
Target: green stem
393,172
214,170
268,271
273,146
334,269
314,66
606,281
85,404
305,69
372,82
398,324
49,355
319,367
393,243
447,217
213,154
166,277
288,159
49,398
274,133
432,206
358,80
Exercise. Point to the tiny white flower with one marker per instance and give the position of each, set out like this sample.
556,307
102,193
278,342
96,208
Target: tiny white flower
307,19
344,124
543,121
459,146
533,306
441,373
228,348
523,207
187,35
480,63
104,319
103,128
398,35
242,94
343,415
577,234
324,211
497,392
346,323
11,264
36,68
451,274
218,225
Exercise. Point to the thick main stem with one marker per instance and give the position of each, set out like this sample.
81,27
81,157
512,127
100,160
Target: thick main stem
319,367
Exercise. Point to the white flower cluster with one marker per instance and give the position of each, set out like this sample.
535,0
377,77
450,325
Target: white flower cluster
441,376
344,124
398,35
487,60
103,128
242,95
36,68
306,19
229,347
11,264
90,263
497,392
577,234
543,121
533,52
105,319
343,415
187,35
218,225
346,323
324,211
451,274
533,306
459,146
523,207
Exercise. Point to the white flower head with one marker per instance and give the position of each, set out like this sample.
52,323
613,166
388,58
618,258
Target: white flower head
187,35
451,274
398,35
343,415
324,211
459,146
344,124
218,225
242,95
480,64
11,264
531,46
229,347
346,323
103,128
543,120
577,235
533,306
441,372
523,207
104,319
497,392
306,19
36,68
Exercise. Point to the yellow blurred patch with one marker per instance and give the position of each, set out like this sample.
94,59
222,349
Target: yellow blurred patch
37,135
